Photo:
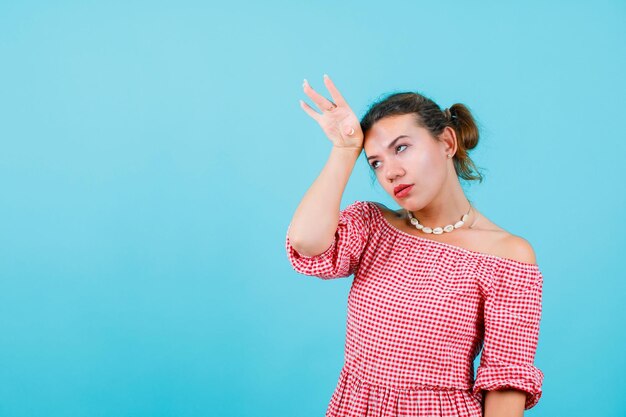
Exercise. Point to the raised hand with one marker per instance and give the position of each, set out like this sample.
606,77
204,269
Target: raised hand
337,120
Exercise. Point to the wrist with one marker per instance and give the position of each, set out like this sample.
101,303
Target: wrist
348,149
345,155
346,152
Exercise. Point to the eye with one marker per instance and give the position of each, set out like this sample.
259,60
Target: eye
374,166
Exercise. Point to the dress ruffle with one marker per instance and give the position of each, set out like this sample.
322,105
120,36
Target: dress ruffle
354,397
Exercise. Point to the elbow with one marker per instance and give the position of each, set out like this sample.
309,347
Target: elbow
309,250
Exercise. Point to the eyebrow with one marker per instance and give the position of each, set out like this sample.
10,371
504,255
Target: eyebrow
390,145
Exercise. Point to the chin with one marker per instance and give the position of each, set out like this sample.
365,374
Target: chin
411,206
405,205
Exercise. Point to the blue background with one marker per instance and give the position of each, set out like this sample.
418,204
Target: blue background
153,153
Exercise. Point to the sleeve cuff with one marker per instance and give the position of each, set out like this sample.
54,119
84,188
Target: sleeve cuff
526,378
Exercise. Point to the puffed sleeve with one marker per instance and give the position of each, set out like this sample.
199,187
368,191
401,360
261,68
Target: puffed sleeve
512,313
342,257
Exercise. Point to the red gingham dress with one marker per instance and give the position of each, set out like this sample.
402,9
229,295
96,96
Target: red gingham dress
419,312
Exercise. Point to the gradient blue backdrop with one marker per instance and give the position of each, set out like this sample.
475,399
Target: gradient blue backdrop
153,153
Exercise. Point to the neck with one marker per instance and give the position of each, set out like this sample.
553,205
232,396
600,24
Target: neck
446,208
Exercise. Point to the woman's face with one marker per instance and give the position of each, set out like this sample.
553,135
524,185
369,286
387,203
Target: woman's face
401,152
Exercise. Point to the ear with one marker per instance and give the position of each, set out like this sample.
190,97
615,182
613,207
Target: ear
448,138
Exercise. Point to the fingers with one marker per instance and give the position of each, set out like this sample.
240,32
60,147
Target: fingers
310,111
334,93
321,101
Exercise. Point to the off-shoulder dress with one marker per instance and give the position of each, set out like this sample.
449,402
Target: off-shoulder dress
419,313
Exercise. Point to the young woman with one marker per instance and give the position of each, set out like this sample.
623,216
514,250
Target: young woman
434,281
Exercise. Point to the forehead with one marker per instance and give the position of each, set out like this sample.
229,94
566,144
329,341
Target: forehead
388,128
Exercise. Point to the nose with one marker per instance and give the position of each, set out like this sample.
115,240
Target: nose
393,171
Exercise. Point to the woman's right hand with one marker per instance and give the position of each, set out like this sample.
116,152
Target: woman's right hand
337,120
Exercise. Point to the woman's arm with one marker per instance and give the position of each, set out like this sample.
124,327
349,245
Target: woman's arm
504,403
512,314
510,402
316,219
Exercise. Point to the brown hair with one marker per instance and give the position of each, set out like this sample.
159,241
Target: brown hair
430,116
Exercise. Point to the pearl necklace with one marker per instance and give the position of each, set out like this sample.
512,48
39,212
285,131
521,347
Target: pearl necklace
438,230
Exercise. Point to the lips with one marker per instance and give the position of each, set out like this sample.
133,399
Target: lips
400,187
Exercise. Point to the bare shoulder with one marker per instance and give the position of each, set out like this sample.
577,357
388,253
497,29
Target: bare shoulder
517,248
506,244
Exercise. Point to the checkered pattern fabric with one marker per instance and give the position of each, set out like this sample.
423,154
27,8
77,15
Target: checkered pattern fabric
419,313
